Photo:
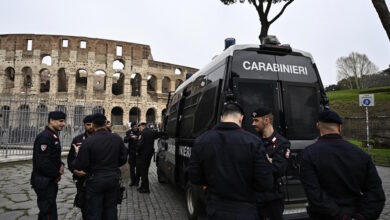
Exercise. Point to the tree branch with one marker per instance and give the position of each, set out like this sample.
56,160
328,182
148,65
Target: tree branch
268,7
281,12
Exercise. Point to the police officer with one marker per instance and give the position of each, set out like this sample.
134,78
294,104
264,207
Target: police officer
232,164
145,151
131,138
100,156
339,179
47,165
77,175
270,204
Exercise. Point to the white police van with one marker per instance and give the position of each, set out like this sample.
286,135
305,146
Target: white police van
272,75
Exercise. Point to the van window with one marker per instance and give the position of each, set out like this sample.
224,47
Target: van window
207,108
301,124
216,74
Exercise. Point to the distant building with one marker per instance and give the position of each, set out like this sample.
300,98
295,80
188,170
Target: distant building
116,77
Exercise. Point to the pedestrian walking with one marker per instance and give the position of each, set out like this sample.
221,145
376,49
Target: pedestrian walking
232,165
47,165
77,176
100,157
270,203
340,179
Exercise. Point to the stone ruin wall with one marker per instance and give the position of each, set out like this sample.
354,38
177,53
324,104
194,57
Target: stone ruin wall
44,67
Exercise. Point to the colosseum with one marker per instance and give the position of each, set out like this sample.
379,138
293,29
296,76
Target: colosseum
80,75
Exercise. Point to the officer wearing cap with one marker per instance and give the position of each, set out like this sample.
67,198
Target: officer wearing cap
47,165
271,203
145,151
131,138
340,180
232,164
100,157
78,175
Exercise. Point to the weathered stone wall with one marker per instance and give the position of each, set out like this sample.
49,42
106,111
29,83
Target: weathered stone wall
23,73
356,127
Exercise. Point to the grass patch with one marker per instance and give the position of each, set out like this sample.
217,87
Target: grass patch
346,102
379,156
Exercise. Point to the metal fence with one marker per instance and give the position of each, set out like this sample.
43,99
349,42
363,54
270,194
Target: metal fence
21,120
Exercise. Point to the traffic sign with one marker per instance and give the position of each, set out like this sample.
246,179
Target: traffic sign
366,100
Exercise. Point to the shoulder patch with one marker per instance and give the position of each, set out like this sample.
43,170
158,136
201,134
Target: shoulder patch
43,147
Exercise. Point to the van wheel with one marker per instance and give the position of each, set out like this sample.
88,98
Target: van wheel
160,176
192,203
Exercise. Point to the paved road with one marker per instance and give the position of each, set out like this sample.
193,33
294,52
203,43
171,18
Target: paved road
18,200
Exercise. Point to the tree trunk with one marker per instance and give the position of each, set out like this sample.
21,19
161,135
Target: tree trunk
384,14
264,31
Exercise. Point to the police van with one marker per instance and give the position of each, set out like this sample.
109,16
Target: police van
273,75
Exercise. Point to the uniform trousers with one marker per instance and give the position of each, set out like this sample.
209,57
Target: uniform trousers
102,196
230,210
46,197
272,210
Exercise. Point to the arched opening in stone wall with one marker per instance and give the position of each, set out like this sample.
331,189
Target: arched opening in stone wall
152,83
117,116
9,78
178,82
44,78
27,77
62,80
135,84
99,84
24,115
61,108
98,109
42,113
151,116
118,80
4,116
166,85
118,65
46,60
81,81
78,115
178,71
134,114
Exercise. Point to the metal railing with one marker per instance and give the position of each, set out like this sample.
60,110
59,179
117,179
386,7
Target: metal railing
21,120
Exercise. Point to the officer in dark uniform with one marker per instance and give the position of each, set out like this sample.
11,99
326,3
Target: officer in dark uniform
145,151
47,165
339,179
100,156
232,164
131,138
77,175
270,204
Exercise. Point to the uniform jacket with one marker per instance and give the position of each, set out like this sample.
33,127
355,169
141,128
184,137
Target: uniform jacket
275,146
145,142
103,152
46,158
338,176
231,162
72,152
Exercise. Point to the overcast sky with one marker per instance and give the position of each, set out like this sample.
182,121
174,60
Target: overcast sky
191,32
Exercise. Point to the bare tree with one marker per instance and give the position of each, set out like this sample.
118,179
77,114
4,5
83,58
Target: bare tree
354,67
384,14
263,8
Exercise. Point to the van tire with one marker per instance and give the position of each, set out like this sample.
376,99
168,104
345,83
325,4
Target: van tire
161,176
192,203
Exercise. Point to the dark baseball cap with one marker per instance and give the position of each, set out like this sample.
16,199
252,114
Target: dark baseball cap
329,116
57,115
262,111
88,119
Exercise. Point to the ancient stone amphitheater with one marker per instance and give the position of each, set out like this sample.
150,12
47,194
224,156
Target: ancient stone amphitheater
82,75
